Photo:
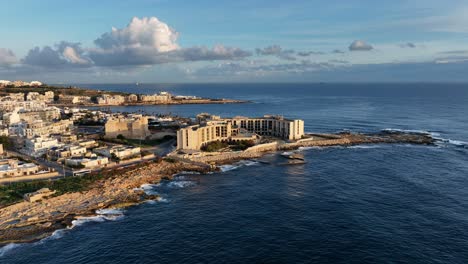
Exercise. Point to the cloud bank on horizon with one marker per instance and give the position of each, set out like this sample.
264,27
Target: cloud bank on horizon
149,49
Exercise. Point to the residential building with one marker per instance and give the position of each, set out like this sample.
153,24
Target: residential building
107,99
44,129
162,97
35,83
66,151
38,145
15,168
92,162
120,151
131,98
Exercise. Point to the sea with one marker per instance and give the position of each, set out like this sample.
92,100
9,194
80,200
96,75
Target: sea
360,204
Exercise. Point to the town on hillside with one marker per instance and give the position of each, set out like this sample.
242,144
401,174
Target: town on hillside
41,139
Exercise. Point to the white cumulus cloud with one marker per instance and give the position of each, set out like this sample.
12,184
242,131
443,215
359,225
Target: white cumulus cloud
359,45
149,41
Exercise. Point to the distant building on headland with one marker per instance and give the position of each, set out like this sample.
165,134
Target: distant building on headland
213,128
162,97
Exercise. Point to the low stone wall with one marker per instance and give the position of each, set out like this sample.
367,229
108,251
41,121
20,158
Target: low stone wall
41,176
257,151
263,147
227,156
315,143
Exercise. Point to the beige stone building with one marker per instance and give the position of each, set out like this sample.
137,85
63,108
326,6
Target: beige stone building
120,151
213,128
39,128
16,168
162,97
93,162
131,126
107,99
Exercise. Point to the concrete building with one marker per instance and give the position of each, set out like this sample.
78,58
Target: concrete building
121,152
58,153
162,97
92,162
131,126
4,83
131,98
38,146
107,99
38,195
213,128
8,104
39,128
35,83
15,168
74,99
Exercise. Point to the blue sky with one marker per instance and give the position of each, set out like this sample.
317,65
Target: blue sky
234,41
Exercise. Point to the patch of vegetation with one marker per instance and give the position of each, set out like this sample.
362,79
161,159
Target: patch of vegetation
137,142
214,146
170,160
7,143
14,192
233,145
241,145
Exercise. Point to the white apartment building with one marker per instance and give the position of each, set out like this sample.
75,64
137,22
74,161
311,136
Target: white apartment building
38,145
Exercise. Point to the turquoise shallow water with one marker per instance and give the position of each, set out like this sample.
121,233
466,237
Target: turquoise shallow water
361,204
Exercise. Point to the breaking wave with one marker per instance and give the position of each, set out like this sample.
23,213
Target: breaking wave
180,184
412,131
7,248
440,141
227,167
149,189
364,147
102,216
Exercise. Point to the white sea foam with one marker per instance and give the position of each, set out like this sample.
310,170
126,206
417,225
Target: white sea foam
229,167
149,188
188,172
364,146
225,168
9,247
180,184
247,163
414,131
287,153
109,211
162,199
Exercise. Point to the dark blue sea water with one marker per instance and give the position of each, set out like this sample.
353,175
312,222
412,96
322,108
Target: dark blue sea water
361,204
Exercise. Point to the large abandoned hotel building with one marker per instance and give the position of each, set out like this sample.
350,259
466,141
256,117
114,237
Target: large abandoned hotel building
213,128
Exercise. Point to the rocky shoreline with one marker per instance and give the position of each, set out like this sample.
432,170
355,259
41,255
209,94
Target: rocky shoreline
27,222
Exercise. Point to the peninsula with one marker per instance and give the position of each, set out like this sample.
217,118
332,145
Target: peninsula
63,163
75,96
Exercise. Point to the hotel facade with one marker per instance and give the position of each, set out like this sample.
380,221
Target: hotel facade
213,128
